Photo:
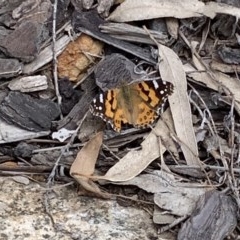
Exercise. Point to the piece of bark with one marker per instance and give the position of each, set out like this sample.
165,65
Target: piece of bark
72,120
229,55
6,8
23,150
24,42
104,7
4,32
3,94
70,96
187,172
33,11
29,84
214,218
10,68
224,68
27,112
88,22
116,70
10,133
46,55
135,34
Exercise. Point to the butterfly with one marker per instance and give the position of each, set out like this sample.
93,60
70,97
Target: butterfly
138,104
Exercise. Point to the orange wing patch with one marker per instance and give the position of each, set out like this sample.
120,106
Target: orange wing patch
148,94
146,115
118,119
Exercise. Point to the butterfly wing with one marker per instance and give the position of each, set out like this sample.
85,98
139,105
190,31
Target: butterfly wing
105,105
150,97
155,93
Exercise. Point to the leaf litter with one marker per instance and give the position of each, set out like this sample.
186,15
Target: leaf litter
190,153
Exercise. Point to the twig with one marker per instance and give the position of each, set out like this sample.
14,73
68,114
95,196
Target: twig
204,35
46,198
202,113
111,152
218,168
225,164
76,145
163,164
55,76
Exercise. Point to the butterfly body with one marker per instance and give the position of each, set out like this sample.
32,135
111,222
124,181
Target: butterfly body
137,104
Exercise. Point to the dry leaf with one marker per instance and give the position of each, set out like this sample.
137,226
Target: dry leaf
176,197
178,200
215,80
171,69
229,82
151,183
84,164
75,59
224,68
134,162
135,10
167,127
172,27
10,133
161,217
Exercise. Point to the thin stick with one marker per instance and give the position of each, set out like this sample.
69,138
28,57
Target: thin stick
55,76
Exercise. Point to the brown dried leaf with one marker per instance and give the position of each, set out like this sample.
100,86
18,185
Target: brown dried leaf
171,69
78,55
84,164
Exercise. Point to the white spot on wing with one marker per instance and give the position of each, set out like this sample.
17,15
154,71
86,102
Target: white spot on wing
101,98
156,85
